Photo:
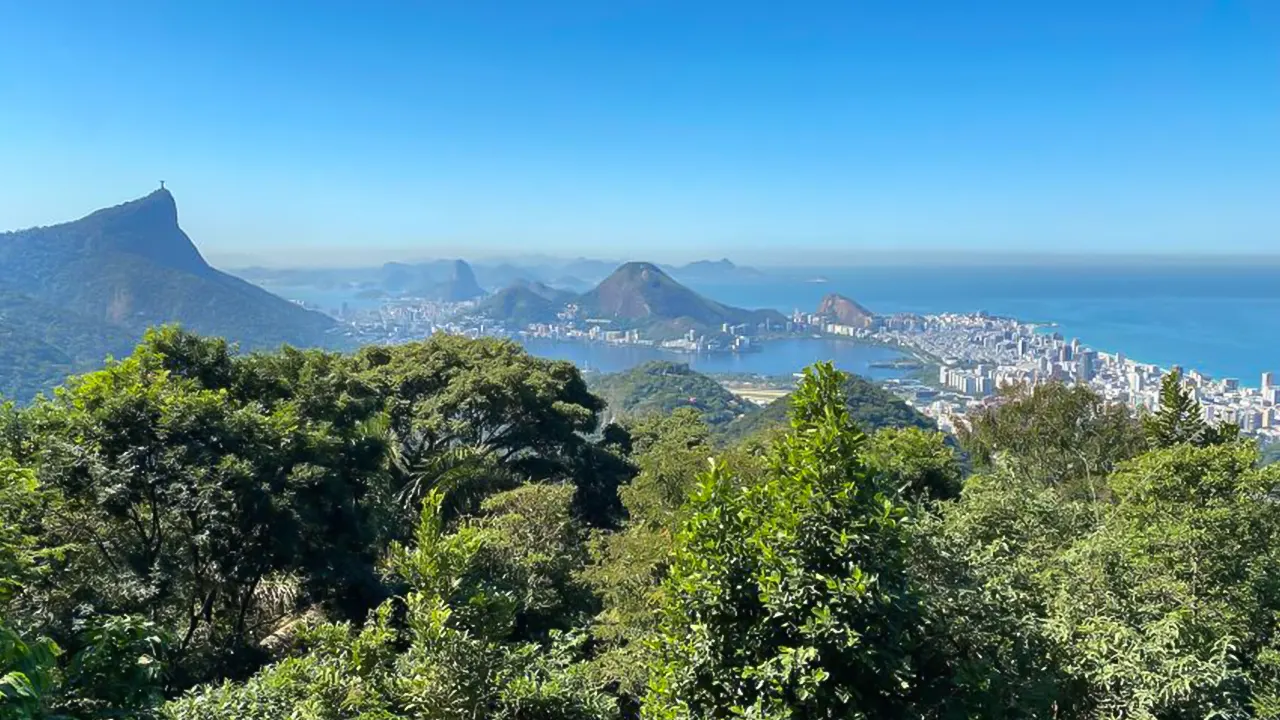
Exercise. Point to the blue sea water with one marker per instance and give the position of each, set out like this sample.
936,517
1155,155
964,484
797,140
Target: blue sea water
1223,320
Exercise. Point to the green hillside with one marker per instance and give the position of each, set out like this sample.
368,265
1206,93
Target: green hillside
523,303
871,407
40,345
662,387
71,294
642,295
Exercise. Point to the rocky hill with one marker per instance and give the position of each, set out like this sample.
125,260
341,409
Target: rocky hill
844,311
446,280
641,294
460,285
70,294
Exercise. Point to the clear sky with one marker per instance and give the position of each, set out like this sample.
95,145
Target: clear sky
762,130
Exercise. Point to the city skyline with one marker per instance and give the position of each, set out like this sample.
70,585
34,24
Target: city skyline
744,129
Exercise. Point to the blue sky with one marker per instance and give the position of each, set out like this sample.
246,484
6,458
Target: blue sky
790,132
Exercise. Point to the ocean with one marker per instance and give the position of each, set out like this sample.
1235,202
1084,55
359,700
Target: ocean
1223,320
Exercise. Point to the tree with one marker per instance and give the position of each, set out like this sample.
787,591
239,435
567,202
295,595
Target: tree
979,560
790,596
1270,453
628,565
1180,419
28,672
489,394
217,515
490,398
1168,609
27,667
918,462
453,643
1057,434
20,506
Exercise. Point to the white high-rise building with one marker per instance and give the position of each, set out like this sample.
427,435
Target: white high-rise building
1135,381
1268,380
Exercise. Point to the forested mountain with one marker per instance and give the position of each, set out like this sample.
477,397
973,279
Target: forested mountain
444,529
662,387
41,344
641,293
76,292
523,303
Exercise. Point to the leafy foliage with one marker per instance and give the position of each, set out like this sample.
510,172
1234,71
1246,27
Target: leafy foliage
871,407
1270,453
919,464
1180,419
663,387
456,652
1053,433
1168,609
26,674
790,595
444,529
629,565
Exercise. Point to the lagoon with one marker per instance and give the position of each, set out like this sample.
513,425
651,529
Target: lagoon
782,356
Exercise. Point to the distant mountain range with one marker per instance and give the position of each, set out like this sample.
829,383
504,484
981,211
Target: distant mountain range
429,278
712,271
73,293
636,294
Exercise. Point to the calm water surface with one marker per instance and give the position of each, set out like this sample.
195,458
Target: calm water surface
778,357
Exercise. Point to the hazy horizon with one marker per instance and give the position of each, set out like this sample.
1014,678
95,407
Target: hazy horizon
360,259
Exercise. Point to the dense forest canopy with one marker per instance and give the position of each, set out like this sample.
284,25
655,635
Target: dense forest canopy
662,387
447,529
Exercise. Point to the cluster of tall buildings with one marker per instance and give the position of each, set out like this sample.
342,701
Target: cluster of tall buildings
978,354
